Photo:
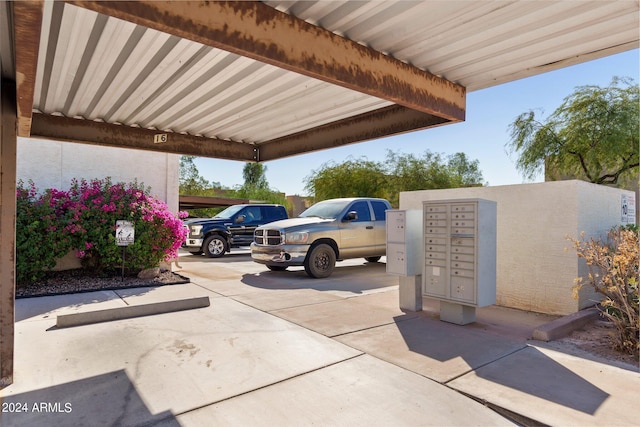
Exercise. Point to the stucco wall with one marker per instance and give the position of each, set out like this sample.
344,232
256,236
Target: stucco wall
52,164
534,272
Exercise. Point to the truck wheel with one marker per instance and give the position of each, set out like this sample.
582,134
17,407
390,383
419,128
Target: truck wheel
277,267
372,258
320,261
215,246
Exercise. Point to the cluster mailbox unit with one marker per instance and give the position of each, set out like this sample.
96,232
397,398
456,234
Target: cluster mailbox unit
404,242
456,255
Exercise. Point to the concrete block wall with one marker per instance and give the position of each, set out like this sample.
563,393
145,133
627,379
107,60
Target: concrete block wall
52,164
534,271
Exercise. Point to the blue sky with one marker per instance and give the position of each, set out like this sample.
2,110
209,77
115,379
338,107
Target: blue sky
482,136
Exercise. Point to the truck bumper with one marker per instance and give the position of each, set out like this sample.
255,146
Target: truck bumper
193,243
284,255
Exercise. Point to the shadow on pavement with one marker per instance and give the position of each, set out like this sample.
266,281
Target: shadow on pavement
500,360
46,306
531,371
351,278
103,400
236,254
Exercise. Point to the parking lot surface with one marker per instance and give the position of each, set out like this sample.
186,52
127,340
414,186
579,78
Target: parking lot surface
279,348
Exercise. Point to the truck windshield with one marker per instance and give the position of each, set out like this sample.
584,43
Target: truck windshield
229,212
329,209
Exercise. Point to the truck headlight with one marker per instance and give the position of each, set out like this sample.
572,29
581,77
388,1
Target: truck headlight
296,238
196,229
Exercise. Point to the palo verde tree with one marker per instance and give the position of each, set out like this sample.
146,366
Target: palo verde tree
593,135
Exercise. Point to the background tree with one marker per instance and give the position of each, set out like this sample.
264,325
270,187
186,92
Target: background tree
190,181
410,172
464,172
351,178
400,172
256,187
593,135
254,175
431,171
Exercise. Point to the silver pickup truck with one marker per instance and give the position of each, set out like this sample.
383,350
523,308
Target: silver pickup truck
327,232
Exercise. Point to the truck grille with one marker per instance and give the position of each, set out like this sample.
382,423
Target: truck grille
268,237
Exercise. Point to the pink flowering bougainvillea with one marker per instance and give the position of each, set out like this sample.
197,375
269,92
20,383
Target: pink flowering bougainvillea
85,218
40,238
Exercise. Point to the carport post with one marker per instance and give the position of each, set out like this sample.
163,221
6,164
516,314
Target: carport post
8,143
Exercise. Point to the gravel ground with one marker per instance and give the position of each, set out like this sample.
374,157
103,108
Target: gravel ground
595,339
72,281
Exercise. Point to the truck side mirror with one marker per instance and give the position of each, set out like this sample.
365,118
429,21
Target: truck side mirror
240,219
351,216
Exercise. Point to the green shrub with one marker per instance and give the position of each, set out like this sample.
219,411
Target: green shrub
613,273
40,238
84,219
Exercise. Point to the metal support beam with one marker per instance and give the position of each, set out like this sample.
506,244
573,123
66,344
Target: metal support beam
89,132
27,27
258,31
384,122
8,143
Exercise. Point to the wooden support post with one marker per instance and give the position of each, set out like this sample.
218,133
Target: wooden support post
8,143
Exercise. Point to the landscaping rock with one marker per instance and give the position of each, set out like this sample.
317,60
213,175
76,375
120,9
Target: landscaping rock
149,273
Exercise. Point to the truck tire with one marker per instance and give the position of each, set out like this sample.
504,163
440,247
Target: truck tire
277,267
320,261
372,258
215,246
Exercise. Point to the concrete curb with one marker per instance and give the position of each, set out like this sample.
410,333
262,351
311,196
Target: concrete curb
565,325
107,315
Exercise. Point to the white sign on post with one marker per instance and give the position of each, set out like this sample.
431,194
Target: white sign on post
125,233
628,209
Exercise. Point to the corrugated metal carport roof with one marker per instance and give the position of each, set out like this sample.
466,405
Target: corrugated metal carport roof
263,80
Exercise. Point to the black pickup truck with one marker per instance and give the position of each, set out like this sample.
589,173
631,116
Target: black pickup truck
233,227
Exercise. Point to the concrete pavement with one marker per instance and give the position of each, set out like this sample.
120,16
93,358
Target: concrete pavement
278,348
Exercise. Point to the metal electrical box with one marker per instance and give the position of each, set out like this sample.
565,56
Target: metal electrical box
404,242
460,251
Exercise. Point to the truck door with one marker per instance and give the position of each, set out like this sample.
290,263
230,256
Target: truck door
244,224
380,212
357,236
